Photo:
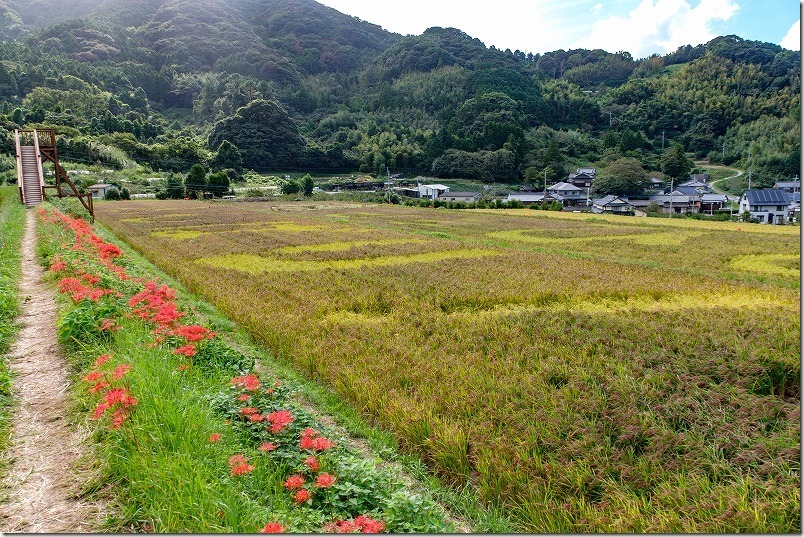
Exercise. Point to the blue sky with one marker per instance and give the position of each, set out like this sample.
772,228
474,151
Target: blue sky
641,27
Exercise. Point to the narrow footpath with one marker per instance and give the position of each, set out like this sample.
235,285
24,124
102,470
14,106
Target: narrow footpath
41,483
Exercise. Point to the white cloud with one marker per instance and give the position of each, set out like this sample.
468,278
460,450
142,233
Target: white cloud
792,40
659,26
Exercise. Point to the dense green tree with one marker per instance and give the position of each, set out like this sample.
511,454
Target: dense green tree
227,156
218,183
265,135
623,177
175,188
675,163
196,180
307,185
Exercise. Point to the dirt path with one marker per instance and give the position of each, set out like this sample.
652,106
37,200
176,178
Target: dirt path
39,488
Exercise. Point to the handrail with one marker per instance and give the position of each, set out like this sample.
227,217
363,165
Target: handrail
20,183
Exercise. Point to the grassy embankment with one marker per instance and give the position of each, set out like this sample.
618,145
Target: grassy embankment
587,373
12,228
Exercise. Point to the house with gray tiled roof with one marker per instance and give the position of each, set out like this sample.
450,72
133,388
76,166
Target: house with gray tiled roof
612,204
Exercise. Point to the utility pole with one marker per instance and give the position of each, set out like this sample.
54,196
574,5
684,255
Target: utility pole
662,140
671,197
609,118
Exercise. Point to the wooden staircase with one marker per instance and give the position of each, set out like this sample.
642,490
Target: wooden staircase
32,185
33,147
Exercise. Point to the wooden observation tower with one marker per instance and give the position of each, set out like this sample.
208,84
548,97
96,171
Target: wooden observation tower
33,148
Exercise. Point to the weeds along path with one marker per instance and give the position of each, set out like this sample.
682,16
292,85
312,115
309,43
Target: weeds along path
39,494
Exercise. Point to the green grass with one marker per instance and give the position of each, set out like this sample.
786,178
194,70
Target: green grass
12,228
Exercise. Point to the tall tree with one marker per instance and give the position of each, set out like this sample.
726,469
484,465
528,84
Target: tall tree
675,163
623,177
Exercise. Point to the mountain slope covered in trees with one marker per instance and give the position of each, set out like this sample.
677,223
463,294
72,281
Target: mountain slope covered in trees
162,81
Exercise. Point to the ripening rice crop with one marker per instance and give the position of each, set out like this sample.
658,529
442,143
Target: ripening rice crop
588,373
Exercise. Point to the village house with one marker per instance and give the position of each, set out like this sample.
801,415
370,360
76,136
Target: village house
529,198
583,177
568,194
711,203
677,202
432,192
767,206
99,190
466,197
792,186
612,204
694,185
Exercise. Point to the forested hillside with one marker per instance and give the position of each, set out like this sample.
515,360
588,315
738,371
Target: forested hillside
296,85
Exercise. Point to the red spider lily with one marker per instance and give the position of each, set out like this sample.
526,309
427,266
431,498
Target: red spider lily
316,444
279,420
93,376
91,279
248,410
324,480
267,446
57,266
240,465
193,332
273,527
312,464
186,350
183,367
309,432
341,526
294,482
119,417
99,386
214,437
102,359
120,371
369,525
244,397
301,496
256,418
248,382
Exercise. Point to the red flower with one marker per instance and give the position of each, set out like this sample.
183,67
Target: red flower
246,410
267,446
120,371
59,265
294,482
247,382
93,376
186,350
301,496
99,386
255,418
312,464
109,324
240,465
273,527
325,480
214,437
193,332
243,397
102,359
279,420
183,367
369,525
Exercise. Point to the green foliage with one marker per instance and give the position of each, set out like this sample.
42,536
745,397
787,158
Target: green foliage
675,163
623,177
218,183
265,135
307,185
